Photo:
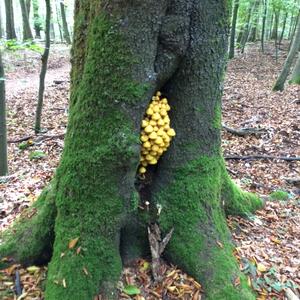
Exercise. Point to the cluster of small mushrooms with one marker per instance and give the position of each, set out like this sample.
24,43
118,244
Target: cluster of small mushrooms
156,133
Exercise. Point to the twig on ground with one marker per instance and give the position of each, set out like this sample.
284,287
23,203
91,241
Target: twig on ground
250,157
38,138
244,131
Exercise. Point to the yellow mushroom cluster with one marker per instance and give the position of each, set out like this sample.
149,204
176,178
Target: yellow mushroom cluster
156,133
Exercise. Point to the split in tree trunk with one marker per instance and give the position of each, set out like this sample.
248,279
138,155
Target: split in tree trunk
45,56
94,198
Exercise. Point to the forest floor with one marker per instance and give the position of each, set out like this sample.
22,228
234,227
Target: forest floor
267,243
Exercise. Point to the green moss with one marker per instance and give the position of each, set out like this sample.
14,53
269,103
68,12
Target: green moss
295,80
217,117
236,201
191,205
279,195
30,239
97,171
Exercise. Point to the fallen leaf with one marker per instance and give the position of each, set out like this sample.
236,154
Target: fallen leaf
73,243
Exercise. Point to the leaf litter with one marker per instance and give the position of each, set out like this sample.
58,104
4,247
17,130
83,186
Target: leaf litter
267,243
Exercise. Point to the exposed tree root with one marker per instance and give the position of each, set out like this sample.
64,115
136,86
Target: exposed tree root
30,239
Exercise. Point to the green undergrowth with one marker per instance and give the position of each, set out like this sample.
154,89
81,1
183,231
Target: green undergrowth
200,245
29,240
279,195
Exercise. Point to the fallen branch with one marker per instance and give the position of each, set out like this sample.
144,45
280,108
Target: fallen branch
157,246
244,131
250,157
38,138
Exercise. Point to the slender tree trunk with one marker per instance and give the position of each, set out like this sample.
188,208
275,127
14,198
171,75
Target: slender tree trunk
294,30
37,19
52,30
246,29
271,27
1,30
279,85
233,29
45,56
274,33
296,72
58,19
3,141
10,23
27,35
123,52
252,35
65,24
263,30
283,27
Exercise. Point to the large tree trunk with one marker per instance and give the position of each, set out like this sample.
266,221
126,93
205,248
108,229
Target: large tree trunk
10,23
3,141
181,51
27,35
279,84
64,23
1,30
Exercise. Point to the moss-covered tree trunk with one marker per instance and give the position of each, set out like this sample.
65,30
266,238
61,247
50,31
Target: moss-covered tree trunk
123,52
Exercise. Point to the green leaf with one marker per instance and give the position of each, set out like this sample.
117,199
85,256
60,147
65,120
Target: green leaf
36,154
277,286
131,290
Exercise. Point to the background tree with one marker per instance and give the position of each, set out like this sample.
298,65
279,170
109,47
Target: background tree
27,35
279,84
64,23
296,72
10,23
39,108
233,29
38,25
123,53
1,31
3,141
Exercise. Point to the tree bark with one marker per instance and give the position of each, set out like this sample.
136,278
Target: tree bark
279,84
254,23
3,135
97,193
296,72
1,30
27,35
10,23
233,29
64,23
38,115
28,7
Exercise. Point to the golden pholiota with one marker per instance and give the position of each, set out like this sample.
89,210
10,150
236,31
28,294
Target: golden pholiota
156,133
